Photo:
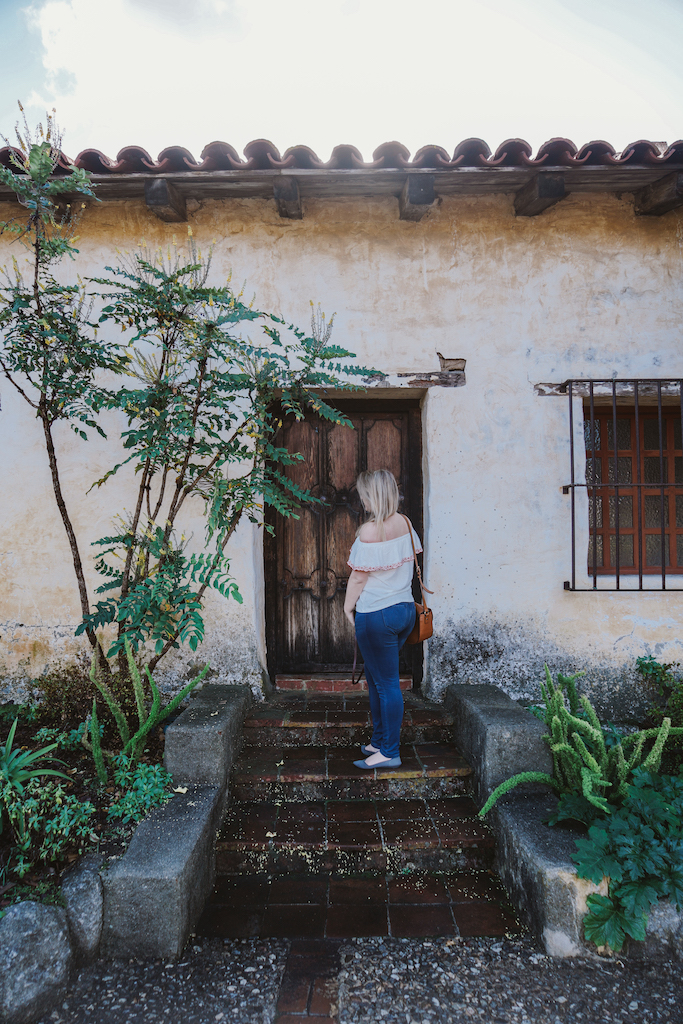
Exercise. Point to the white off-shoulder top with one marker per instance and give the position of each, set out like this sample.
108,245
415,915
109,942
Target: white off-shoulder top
390,566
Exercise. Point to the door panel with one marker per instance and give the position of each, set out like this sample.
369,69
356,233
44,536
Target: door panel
342,455
384,446
306,560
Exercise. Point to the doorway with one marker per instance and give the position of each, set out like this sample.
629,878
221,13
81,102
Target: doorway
305,560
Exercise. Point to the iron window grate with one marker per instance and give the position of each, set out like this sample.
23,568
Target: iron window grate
633,488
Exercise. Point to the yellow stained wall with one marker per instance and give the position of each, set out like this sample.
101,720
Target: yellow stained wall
586,289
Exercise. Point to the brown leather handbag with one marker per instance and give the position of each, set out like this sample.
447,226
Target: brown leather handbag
423,628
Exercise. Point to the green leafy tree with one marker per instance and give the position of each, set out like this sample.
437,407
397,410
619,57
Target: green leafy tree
49,350
202,415
202,418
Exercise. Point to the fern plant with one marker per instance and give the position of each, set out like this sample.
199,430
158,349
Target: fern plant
592,765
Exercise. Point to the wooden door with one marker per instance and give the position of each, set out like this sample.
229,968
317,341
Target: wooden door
306,570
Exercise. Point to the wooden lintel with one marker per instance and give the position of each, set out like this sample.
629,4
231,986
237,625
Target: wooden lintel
436,378
288,198
417,196
164,199
544,190
660,197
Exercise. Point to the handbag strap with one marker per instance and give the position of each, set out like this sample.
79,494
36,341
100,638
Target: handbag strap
417,564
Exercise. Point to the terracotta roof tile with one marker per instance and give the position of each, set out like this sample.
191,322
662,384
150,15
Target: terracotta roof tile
262,155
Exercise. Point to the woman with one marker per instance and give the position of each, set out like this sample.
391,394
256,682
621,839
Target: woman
379,602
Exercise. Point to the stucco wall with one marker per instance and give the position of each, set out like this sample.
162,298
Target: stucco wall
586,289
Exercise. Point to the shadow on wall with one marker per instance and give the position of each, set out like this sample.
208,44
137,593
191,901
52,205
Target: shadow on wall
512,655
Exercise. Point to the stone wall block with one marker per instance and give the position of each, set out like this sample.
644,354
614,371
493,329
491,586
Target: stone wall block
83,894
497,736
534,863
35,960
202,743
154,895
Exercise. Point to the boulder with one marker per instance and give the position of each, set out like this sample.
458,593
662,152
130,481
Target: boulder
82,891
35,960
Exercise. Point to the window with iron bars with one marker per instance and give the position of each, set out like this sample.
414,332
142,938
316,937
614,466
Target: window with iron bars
632,494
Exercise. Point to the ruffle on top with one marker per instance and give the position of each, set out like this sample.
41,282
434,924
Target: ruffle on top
384,554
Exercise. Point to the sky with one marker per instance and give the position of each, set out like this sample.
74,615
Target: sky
156,73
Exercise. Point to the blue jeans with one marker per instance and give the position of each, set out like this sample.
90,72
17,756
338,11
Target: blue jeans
381,635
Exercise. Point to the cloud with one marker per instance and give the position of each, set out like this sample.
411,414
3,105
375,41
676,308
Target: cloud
156,74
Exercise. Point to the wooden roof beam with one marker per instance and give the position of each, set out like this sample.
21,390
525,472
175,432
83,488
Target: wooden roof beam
164,199
544,190
417,196
661,196
288,198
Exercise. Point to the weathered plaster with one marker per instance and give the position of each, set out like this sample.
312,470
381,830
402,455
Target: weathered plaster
511,653
587,289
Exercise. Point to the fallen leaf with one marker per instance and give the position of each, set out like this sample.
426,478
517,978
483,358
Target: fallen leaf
271,835
180,789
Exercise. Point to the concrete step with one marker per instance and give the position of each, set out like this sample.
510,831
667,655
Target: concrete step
317,725
328,682
297,774
416,905
354,836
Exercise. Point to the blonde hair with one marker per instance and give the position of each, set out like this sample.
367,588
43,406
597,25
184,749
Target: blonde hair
378,491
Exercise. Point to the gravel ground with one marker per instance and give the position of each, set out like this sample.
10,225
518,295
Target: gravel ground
391,981
215,981
453,981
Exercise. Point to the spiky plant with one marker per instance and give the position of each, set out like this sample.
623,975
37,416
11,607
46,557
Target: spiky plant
583,766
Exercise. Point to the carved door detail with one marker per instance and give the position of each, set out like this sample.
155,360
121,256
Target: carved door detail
306,570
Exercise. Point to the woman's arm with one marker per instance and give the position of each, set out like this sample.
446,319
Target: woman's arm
354,588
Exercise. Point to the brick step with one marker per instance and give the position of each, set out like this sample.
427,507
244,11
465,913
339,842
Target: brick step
415,905
328,682
429,770
318,725
354,836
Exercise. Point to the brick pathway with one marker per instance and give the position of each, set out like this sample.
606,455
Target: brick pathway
318,851
309,987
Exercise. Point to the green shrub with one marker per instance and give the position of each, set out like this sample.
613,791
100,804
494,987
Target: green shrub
639,847
23,712
71,740
63,695
144,786
45,822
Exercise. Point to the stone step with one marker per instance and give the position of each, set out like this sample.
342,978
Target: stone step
354,836
329,682
428,771
318,725
415,905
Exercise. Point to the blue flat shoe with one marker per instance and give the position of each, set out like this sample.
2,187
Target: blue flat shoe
367,751
393,762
